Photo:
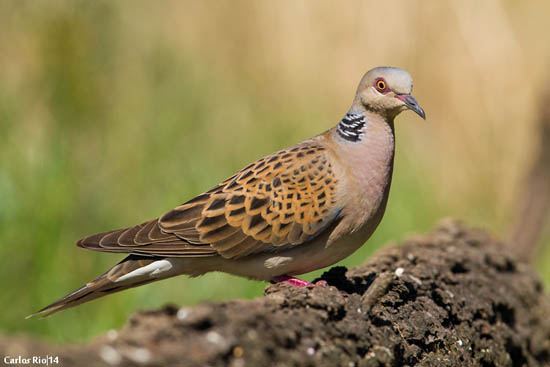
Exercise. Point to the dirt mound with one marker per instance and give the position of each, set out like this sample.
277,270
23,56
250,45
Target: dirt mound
450,298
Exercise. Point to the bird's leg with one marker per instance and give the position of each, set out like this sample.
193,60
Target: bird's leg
295,281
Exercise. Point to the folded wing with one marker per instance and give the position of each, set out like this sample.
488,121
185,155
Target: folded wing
284,199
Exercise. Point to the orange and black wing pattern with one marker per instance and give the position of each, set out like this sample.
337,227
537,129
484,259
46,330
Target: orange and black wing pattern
284,199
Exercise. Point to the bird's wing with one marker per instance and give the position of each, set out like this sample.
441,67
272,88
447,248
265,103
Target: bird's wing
284,199
146,239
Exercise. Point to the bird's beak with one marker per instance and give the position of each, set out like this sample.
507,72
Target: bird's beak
412,104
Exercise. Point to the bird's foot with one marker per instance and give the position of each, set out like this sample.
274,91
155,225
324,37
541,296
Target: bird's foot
296,281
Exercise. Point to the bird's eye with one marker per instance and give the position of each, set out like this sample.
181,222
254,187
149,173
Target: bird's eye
381,85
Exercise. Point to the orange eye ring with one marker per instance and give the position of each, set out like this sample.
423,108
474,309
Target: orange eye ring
381,85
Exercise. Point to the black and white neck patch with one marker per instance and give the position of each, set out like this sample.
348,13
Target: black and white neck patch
351,127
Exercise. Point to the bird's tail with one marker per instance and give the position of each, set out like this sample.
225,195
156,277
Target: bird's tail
131,272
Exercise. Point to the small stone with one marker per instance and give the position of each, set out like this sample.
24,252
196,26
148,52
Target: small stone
252,334
110,355
139,355
399,272
182,313
214,337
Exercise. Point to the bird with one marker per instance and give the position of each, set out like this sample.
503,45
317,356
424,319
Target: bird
300,209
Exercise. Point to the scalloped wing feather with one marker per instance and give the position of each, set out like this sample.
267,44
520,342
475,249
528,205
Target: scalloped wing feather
284,199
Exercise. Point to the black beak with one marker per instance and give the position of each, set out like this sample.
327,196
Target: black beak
412,104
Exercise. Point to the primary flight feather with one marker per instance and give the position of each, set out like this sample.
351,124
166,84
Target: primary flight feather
289,213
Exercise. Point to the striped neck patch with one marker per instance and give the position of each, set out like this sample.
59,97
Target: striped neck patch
351,127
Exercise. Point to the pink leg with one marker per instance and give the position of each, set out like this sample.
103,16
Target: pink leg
295,281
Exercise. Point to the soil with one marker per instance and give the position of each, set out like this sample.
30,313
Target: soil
453,297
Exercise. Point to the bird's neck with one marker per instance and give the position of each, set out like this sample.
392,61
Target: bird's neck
368,155
370,149
351,127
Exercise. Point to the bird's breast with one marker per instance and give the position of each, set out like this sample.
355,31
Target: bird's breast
367,171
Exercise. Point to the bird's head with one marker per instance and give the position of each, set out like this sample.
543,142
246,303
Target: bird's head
387,91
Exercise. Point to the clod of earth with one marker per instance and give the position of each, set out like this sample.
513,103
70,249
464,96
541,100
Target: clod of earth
450,298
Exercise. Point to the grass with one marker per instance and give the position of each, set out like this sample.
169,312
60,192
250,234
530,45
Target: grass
113,113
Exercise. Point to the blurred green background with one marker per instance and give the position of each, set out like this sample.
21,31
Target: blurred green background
112,113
